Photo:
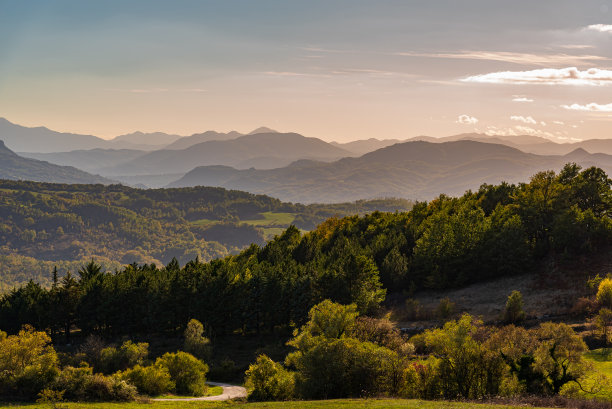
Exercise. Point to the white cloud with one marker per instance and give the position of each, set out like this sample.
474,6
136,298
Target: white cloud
542,123
521,99
577,46
548,76
593,107
512,57
602,28
517,130
466,120
558,122
524,119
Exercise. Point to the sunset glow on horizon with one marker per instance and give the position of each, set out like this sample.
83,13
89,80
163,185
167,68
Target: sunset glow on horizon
333,69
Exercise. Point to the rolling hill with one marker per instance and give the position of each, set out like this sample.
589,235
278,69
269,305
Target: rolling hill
160,139
415,170
15,167
47,224
195,139
267,150
90,160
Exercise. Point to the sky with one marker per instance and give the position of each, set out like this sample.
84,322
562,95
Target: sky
334,69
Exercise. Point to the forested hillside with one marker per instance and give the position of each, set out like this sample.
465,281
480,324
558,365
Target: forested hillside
494,232
43,225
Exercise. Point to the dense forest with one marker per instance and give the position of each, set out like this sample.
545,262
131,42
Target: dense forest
496,231
43,225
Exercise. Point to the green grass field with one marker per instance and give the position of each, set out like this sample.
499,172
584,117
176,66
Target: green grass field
272,219
211,391
328,404
601,379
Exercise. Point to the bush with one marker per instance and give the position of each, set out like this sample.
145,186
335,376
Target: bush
268,380
421,380
81,384
341,368
195,343
186,371
129,354
383,332
149,380
445,308
513,313
28,363
604,293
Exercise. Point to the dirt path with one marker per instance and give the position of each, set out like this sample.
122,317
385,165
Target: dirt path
229,392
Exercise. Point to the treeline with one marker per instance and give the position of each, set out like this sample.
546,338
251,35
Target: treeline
44,223
494,232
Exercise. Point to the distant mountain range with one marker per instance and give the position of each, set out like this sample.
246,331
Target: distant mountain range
15,167
293,167
262,150
416,170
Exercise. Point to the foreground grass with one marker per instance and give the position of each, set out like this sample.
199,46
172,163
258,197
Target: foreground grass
600,379
326,404
211,391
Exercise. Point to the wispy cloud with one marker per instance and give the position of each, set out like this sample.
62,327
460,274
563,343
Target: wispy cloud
512,57
592,107
602,28
524,119
518,98
466,120
576,46
548,76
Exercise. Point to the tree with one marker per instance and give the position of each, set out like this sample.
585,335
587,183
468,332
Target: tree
28,362
559,355
186,371
330,363
604,293
513,313
603,320
463,369
268,380
195,342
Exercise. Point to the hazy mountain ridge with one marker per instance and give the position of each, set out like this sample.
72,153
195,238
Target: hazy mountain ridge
415,170
90,160
15,167
280,148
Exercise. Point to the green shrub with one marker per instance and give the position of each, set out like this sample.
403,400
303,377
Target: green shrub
28,363
445,308
421,380
341,368
81,384
186,371
149,380
129,354
195,342
604,293
269,381
513,313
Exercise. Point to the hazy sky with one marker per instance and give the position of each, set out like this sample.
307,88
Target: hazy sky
333,69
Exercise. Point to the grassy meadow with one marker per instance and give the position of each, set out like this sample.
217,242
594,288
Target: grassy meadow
326,404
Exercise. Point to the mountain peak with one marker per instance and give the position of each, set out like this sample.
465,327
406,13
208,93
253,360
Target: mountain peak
262,129
578,152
